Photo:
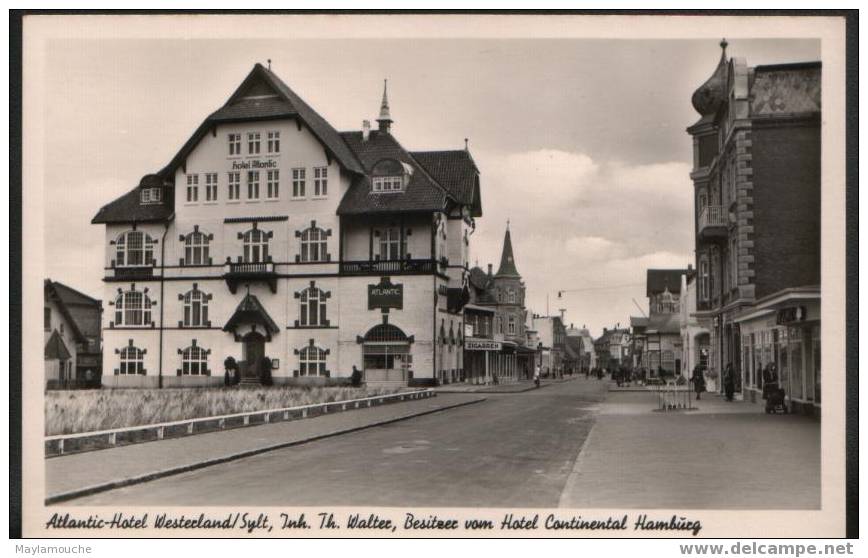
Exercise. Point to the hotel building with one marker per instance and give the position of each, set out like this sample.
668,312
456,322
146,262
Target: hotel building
271,234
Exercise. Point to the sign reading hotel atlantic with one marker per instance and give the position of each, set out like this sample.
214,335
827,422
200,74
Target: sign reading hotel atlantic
385,295
244,165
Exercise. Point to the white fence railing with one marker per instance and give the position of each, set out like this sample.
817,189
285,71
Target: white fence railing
674,397
59,444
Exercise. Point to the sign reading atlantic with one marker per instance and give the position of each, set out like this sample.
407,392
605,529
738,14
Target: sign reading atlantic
385,295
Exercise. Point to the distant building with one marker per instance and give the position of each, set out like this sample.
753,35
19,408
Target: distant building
579,342
662,347
73,352
756,187
552,337
613,347
497,300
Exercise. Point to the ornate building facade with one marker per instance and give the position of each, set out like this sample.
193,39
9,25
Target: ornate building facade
756,180
271,234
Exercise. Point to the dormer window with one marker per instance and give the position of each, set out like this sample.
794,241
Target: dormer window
390,176
152,196
388,183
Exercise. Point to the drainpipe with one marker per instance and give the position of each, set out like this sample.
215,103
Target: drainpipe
162,298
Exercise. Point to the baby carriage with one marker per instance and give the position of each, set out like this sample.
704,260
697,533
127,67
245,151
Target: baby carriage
775,402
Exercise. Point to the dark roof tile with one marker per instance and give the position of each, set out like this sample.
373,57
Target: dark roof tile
457,172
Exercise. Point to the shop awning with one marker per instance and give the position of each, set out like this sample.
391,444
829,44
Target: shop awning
251,312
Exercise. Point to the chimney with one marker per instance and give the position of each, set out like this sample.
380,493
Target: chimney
489,270
366,129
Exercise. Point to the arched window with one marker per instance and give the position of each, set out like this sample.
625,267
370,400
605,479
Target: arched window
511,295
511,325
311,361
196,248
312,307
134,249
195,308
313,245
194,361
132,361
132,308
255,246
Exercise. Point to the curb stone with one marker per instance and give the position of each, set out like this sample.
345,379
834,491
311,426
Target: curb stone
120,483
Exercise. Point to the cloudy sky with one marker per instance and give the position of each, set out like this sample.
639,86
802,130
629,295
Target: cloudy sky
581,142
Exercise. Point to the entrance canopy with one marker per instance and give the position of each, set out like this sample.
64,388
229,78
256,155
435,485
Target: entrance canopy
251,312
386,334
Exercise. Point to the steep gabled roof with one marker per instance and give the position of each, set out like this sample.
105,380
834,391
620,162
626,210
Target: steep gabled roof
251,311
422,193
661,279
71,296
287,104
457,172
129,209
56,349
50,293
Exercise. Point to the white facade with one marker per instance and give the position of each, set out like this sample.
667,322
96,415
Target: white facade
256,213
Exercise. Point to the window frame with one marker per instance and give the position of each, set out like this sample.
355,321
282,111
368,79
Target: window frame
195,308
234,144
194,358
123,249
211,184
320,182
131,356
131,307
299,178
259,245
233,180
272,184
273,142
309,245
195,243
253,178
312,307
306,360
254,140
192,188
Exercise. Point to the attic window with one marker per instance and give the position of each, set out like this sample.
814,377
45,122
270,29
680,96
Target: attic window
152,196
390,175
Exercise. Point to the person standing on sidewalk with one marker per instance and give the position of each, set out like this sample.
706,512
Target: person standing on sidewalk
698,382
728,382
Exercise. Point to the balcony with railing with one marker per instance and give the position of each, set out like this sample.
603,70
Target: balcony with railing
389,267
712,223
236,273
132,273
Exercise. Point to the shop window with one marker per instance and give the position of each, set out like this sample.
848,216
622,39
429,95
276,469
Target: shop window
132,308
194,361
134,249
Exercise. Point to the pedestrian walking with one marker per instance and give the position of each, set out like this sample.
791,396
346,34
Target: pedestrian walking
698,382
536,376
729,382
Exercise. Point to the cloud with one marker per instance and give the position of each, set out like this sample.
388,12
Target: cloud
588,228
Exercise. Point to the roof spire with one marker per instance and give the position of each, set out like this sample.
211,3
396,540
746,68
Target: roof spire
269,64
507,260
385,119
723,45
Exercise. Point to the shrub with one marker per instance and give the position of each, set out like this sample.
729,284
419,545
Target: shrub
356,377
227,379
265,372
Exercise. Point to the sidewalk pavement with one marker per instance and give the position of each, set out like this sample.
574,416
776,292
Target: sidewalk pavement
515,387
721,456
80,474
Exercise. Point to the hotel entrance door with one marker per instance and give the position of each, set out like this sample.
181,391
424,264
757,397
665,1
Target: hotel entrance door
253,350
